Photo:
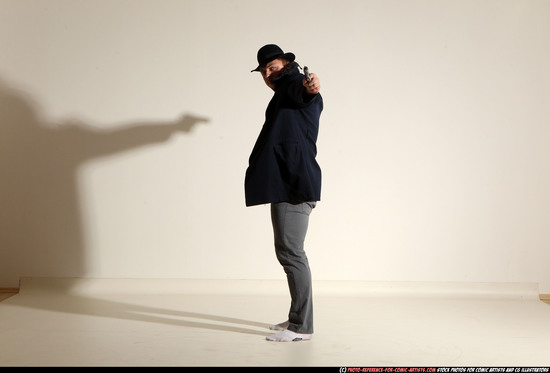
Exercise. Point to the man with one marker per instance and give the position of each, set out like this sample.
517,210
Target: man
283,172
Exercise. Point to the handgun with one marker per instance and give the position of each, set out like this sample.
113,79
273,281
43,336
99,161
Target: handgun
306,73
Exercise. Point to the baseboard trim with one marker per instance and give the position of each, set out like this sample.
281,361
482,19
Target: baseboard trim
543,297
9,290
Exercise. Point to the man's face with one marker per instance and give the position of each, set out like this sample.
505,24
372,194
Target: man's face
272,70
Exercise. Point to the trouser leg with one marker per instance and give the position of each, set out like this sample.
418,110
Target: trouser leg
290,223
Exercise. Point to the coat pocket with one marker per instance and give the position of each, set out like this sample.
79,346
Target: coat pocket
290,162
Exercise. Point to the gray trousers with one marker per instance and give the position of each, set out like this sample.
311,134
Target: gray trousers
290,222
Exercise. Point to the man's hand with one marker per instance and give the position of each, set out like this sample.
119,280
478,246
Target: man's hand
314,85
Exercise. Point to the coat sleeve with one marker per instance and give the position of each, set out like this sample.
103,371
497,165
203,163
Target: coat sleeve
297,93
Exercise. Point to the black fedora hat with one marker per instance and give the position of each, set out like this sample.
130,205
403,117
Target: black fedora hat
271,52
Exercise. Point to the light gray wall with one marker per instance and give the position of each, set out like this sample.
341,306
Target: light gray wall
126,127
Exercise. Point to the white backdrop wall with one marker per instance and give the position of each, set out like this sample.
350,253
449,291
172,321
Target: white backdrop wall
126,127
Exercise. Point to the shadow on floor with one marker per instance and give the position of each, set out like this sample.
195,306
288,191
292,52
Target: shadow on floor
89,306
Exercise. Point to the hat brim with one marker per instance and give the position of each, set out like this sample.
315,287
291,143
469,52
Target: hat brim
287,56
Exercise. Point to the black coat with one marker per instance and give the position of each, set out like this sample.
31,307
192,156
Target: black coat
282,166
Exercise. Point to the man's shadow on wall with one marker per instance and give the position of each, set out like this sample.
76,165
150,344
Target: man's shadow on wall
41,231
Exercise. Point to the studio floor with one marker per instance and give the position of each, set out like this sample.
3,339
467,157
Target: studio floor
83,322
